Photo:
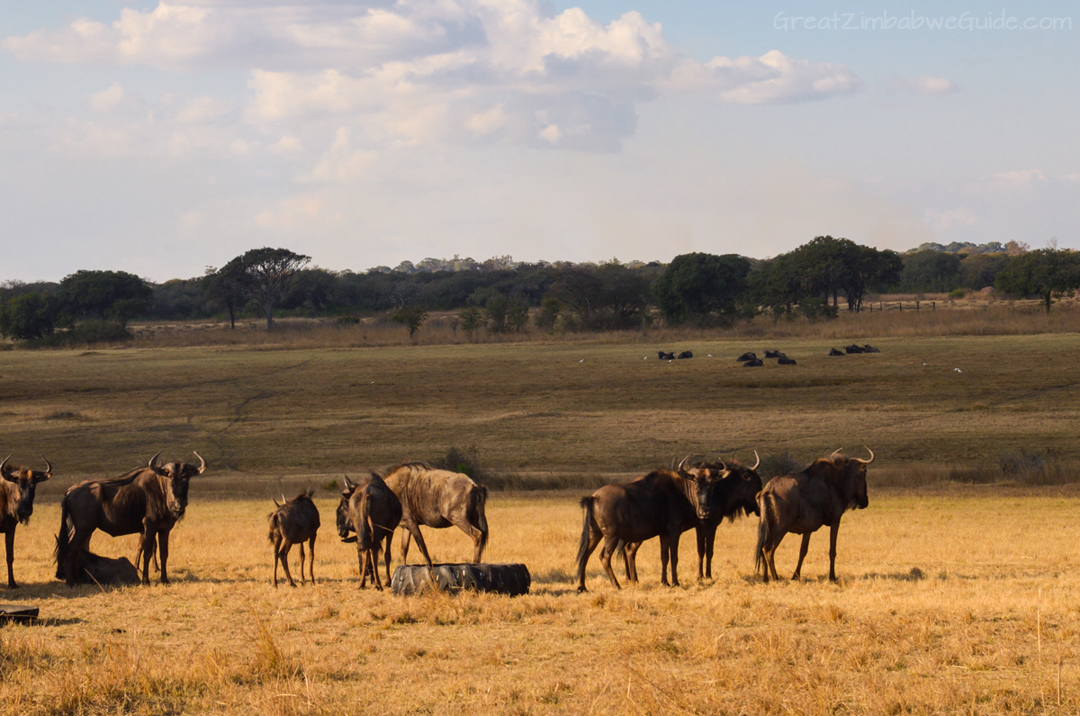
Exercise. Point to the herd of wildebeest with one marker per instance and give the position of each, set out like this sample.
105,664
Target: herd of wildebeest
150,500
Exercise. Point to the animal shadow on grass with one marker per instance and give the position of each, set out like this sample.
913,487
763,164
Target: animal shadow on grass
915,575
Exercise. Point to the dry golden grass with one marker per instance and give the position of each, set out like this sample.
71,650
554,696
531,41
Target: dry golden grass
954,602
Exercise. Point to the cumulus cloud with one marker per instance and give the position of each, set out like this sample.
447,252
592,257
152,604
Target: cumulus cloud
1020,177
107,100
945,219
925,84
418,71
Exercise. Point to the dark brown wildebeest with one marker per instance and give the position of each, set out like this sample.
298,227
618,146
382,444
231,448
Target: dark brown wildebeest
294,521
371,510
17,503
784,360
148,500
870,349
772,354
666,356
733,491
686,354
803,503
662,504
95,569
746,356
438,498
854,348
834,352
753,364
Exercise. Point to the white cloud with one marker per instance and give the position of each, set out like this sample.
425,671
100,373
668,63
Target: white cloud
925,84
945,219
107,100
1020,177
202,109
486,122
341,163
551,133
291,212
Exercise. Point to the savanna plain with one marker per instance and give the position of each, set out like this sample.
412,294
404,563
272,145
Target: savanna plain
958,591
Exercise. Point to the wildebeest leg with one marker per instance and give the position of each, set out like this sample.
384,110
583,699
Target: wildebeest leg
610,543
361,559
631,561
463,524
406,537
833,529
664,555
699,532
311,567
283,555
673,546
389,541
163,547
802,555
80,542
303,576
770,558
9,544
593,539
277,548
415,529
149,539
710,542
375,578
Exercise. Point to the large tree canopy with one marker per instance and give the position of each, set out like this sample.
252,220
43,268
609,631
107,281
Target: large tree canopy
268,272
105,295
702,288
1046,273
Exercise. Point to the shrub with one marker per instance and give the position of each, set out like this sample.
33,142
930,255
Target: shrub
957,293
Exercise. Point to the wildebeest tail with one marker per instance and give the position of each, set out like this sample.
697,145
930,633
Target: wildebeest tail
273,521
479,513
764,507
62,541
587,519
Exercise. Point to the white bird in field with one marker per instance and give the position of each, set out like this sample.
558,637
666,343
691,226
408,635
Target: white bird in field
958,370
581,361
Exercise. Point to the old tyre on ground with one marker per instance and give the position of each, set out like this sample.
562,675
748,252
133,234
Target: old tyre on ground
512,579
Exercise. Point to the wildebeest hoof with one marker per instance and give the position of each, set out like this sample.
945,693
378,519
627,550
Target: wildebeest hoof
581,590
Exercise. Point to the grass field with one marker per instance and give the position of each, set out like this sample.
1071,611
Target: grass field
953,598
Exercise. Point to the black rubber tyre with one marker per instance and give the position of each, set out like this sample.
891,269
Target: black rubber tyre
512,579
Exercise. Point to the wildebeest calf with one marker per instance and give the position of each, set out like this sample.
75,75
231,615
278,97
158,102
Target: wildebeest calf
291,523
371,510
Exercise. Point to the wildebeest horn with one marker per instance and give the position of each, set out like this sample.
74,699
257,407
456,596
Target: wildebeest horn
836,454
723,465
48,466
349,483
865,462
682,462
202,463
757,459
3,467
153,460
276,502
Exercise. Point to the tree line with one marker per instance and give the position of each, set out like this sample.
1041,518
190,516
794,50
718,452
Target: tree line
500,295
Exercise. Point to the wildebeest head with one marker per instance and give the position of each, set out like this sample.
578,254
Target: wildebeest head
25,481
853,478
344,526
705,479
743,485
176,476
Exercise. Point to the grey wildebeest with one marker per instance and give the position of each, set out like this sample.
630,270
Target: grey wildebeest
662,504
803,503
17,503
149,500
294,522
371,510
438,498
732,492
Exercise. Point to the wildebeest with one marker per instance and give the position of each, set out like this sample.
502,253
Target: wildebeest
753,364
732,492
91,568
294,522
438,498
784,360
870,349
802,503
666,356
686,354
834,352
371,510
662,504
746,356
853,348
150,500
772,354
17,503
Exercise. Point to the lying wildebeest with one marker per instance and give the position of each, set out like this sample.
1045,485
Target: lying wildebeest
853,348
772,354
666,356
150,500
746,356
753,364
870,349
834,352
438,498
17,503
784,360
802,503
371,510
661,504
91,568
294,521
733,492
686,354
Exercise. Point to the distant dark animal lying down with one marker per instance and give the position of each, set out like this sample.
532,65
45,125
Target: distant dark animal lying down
94,569
745,357
853,348
834,352
686,354
753,364
784,360
666,356
772,354
870,349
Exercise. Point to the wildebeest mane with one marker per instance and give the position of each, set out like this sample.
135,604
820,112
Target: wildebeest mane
384,472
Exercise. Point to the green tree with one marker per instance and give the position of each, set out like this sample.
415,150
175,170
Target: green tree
105,295
471,319
863,267
29,316
930,271
228,286
1046,273
268,273
412,317
703,288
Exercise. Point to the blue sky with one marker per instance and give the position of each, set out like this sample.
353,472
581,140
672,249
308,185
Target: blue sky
163,138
